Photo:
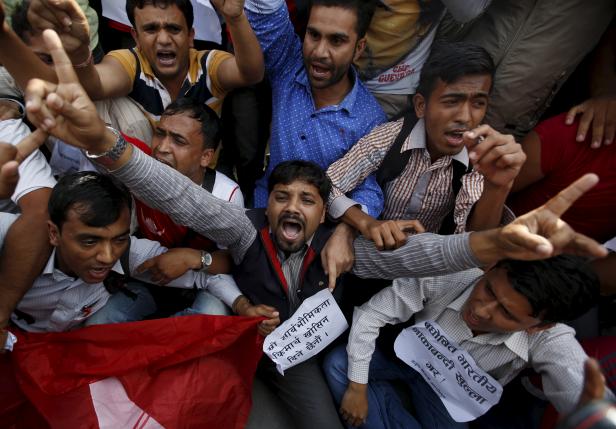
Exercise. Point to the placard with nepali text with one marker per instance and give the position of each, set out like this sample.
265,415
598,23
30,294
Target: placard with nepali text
317,322
466,390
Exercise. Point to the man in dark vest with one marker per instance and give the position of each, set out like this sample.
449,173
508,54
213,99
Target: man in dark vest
276,249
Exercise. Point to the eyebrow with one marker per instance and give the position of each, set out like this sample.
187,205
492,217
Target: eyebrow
505,309
459,95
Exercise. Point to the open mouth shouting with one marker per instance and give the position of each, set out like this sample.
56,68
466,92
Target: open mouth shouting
320,71
455,137
166,58
291,228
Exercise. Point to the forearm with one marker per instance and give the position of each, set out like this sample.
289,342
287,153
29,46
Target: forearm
423,255
488,210
246,48
356,218
24,66
185,202
22,260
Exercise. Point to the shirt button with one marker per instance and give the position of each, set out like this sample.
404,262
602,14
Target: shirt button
303,137
313,115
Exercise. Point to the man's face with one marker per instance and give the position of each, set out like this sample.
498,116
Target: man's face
89,252
164,38
294,212
178,142
495,306
330,45
451,110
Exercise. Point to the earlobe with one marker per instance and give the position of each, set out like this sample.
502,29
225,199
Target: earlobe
419,102
359,48
54,233
206,157
191,38
133,33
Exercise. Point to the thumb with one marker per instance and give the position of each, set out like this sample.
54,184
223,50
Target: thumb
9,176
146,265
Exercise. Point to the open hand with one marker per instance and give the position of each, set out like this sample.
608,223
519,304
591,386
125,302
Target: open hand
600,113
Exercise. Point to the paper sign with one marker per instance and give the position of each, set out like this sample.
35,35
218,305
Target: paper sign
466,390
317,322
611,244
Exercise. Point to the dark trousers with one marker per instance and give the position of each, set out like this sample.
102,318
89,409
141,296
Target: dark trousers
299,399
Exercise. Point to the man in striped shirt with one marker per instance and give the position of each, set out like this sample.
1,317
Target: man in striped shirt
437,185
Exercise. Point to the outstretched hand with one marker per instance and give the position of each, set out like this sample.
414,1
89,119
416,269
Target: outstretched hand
64,109
542,233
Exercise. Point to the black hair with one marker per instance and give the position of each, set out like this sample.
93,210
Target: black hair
185,7
210,123
363,8
452,61
306,171
19,21
97,198
559,289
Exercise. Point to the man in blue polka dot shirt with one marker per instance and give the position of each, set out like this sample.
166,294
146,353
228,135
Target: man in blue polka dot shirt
320,108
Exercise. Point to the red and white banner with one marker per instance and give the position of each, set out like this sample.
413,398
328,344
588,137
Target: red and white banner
182,372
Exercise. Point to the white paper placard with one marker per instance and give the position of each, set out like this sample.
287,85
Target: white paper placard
466,390
206,22
317,322
611,244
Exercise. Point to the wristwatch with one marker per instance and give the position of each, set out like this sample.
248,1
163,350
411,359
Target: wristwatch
113,154
206,261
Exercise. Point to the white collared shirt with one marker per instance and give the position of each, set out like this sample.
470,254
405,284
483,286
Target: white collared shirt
554,353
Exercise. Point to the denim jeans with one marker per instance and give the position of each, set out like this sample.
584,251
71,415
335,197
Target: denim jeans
385,409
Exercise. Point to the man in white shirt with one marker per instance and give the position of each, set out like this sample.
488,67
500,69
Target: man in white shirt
89,229
506,319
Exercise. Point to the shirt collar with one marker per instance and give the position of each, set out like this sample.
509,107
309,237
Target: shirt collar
517,342
348,102
281,254
50,267
417,140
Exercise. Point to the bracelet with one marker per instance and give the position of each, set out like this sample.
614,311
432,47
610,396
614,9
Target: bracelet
86,63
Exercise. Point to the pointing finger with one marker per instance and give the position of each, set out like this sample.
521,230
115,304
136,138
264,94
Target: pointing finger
565,198
63,65
29,144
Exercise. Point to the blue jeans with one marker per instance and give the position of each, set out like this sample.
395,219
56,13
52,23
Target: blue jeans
206,303
385,409
121,307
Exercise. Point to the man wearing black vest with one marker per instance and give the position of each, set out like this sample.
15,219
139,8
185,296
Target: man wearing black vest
424,163
275,250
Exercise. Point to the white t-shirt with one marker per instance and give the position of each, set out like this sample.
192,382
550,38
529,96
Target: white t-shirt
34,172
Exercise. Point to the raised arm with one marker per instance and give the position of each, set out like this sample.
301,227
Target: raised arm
66,112
105,80
247,67
498,158
24,66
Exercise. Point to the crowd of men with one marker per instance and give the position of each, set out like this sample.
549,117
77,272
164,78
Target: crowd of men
407,172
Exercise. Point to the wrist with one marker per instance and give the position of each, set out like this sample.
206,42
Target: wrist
234,19
487,246
240,304
357,387
497,188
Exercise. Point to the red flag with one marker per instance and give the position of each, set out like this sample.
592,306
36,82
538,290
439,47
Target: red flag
182,372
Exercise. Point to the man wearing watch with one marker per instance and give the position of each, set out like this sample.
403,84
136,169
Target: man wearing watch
276,250
93,253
